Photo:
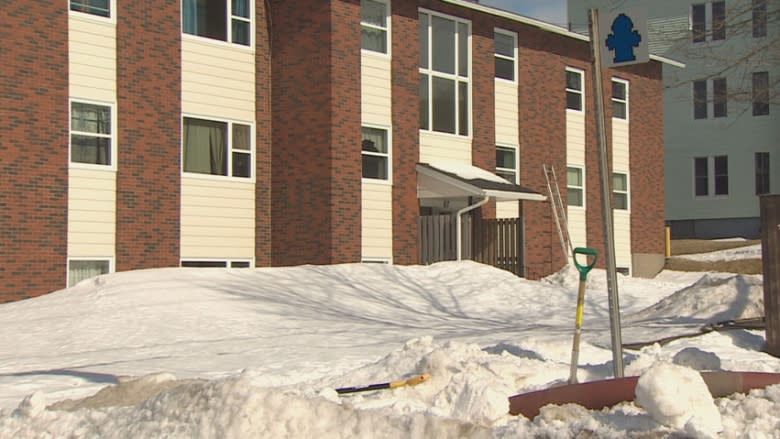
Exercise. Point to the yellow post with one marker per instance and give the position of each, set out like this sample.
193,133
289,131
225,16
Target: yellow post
668,241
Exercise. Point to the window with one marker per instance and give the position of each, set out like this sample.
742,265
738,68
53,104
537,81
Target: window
91,137
217,148
619,99
717,11
101,8
701,101
444,74
376,157
574,89
716,167
620,190
698,23
759,18
80,269
374,25
718,21
505,43
200,263
760,93
762,173
219,20
506,163
719,98
701,176
575,184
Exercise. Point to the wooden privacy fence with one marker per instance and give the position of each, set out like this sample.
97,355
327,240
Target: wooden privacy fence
496,242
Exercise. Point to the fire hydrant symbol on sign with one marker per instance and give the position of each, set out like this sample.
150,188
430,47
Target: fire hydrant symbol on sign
623,39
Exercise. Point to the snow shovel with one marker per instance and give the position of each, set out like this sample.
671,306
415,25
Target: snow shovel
584,270
391,385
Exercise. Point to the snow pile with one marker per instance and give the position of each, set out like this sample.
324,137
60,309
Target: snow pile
678,397
746,252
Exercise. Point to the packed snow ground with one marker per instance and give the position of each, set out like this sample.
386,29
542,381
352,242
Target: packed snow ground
235,353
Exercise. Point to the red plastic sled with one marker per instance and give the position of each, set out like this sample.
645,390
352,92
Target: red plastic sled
596,395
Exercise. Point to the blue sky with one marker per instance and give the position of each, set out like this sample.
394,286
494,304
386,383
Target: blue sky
551,11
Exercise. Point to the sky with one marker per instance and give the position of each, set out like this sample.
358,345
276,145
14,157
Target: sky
236,353
550,11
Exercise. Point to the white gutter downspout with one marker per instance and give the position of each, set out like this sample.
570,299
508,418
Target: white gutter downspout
459,224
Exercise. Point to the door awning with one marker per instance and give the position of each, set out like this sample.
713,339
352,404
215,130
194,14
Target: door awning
452,179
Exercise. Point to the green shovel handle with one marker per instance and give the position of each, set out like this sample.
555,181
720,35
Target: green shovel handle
585,269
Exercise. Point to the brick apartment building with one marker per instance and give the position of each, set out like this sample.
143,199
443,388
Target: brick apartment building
140,134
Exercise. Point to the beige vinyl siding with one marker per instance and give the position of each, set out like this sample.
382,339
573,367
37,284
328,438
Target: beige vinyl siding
375,87
575,156
436,147
622,218
507,117
377,220
92,59
620,158
217,80
575,138
622,238
91,213
217,218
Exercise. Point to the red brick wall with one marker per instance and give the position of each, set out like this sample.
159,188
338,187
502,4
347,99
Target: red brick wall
646,156
316,158
263,136
149,116
33,148
483,146
406,125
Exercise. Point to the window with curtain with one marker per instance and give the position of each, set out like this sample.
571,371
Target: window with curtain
620,190
505,43
80,269
574,90
101,8
373,24
619,99
225,20
575,186
90,133
444,74
506,163
217,148
376,156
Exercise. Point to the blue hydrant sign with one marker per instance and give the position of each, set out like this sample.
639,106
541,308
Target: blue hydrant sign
623,37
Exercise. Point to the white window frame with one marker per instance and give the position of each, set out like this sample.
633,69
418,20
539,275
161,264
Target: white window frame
711,177
387,30
456,77
581,73
228,262
512,35
83,14
109,259
229,30
580,188
252,149
625,101
388,156
626,192
516,169
113,136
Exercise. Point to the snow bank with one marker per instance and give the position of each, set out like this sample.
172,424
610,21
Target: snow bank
678,397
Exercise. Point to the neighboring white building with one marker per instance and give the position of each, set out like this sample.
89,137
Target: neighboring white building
721,118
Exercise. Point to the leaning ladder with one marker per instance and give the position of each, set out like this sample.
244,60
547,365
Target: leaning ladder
559,210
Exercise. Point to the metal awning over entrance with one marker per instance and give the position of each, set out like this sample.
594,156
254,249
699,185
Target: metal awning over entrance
453,180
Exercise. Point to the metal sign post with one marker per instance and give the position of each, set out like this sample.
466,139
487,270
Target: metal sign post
606,198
